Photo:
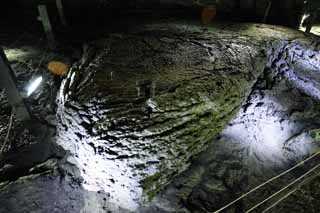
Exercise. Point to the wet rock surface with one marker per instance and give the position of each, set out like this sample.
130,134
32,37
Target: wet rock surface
137,115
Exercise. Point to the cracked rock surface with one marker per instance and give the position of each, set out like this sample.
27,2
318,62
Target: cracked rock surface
138,113
275,129
139,105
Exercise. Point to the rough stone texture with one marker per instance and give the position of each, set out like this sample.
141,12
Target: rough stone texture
49,188
178,81
276,128
35,174
137,109
40,187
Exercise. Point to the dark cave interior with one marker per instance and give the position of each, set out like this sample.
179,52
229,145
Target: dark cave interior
102,14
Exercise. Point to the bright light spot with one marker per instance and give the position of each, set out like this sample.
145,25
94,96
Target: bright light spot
315,28
34,85
302,20
19,54
269,139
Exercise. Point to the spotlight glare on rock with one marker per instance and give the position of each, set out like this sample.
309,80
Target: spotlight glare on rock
34,85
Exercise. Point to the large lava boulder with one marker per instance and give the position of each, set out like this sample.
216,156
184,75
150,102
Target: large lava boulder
141,104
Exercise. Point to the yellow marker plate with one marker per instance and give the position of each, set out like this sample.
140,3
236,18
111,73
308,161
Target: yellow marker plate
58,68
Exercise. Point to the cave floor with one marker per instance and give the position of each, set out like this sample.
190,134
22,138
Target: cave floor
274,130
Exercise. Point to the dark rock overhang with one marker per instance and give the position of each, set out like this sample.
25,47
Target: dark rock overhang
114,10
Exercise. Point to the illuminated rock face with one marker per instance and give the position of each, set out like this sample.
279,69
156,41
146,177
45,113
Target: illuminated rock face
277,127
138,106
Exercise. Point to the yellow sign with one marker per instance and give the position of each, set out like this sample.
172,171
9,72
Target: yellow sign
58,68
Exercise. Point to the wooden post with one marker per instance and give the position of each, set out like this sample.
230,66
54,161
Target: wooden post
61,13
266,14
44,18
8,83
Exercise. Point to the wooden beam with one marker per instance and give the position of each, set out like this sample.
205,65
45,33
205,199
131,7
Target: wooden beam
61,13
267,11
44,18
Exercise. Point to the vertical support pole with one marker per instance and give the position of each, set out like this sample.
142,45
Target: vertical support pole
61,13
266,14
44,18
8,82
